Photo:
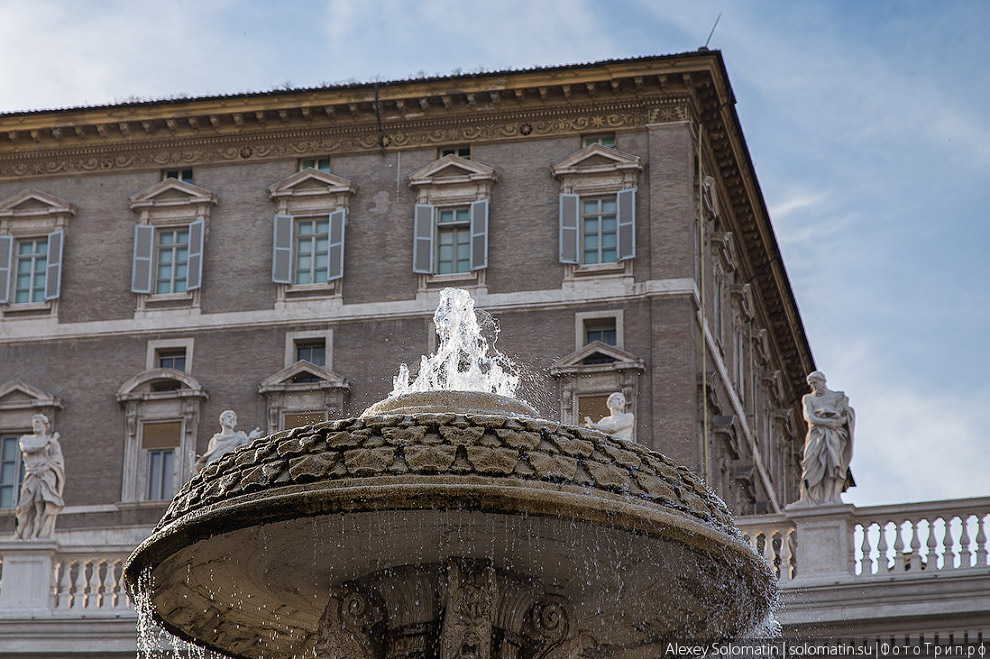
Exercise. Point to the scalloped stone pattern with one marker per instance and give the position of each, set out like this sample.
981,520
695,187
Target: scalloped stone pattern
461,445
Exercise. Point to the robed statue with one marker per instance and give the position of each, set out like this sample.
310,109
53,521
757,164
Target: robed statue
40,500
829,445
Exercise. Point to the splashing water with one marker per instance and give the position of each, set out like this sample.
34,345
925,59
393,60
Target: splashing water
461,362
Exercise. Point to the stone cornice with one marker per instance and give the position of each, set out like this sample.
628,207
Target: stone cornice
325,136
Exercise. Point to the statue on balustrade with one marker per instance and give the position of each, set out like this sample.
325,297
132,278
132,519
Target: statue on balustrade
619,423
40,499
226,440
829,445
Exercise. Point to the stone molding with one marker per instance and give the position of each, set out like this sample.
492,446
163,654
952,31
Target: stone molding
446,445
289,142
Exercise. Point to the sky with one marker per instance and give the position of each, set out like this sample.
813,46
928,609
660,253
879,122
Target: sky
867,123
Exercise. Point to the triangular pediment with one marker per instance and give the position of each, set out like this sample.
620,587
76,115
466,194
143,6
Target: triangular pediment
595,158
18,394
452,169
172,192
309,182
32,203
597,355
302,374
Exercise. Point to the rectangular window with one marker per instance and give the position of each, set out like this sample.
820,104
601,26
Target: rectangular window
605,139
302,419
31,268
314,352
312,251
600,329
593,407
461,150
159,442
599,230
11,471
185,174
174,358
453,240
322,164
172,260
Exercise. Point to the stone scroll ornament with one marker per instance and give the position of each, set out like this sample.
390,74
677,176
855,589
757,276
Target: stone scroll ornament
829,445
347,625
40,499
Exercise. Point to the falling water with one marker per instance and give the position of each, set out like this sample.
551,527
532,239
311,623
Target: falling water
462,361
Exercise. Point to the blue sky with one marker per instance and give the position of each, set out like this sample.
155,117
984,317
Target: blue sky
867,123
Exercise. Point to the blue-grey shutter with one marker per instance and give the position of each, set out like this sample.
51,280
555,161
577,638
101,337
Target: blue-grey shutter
144,249
627,223
194,276
282,250
6,260
337,219
423,230
569,228
53,275
479,234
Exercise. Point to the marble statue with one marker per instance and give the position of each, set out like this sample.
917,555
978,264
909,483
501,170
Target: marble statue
828,447
226,440
619,423
40,500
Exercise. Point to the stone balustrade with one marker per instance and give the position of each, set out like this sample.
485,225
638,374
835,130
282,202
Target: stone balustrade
88,582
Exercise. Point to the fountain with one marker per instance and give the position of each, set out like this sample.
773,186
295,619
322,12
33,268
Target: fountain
445,523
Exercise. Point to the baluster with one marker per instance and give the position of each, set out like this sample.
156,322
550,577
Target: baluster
116,584
900,558
883,566
981,540
865,564
914,558
92,583
932,558
79,584
786,555
965,555
768,548
57,569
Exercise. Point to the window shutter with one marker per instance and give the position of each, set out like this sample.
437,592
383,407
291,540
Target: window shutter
627,223
53,276
144,247
282,250
479,234
569,230
194,278
6,257
337,219
423,228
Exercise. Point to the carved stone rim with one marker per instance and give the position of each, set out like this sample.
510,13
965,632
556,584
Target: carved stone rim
451,402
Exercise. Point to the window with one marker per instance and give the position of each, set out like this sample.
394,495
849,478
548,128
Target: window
460,150
185,174
32,234
290,421
604,326
312,251
174,358
594,407
169,242
313,351
322,164
605,139
159,441
161,412
172,261
11,471
597,210
308,234
453,240
598,230
450,220
600,329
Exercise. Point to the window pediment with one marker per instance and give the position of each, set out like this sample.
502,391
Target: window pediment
147,386
19,395
311,189
597,168
288,379
452,179
575,362
171,193
34,211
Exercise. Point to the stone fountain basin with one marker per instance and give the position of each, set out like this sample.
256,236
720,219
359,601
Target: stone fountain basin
245,558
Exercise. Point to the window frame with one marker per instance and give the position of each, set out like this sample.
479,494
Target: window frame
32,215
302,166
596,138
294,338
156,346
455,149
184,174
583,318
18,462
